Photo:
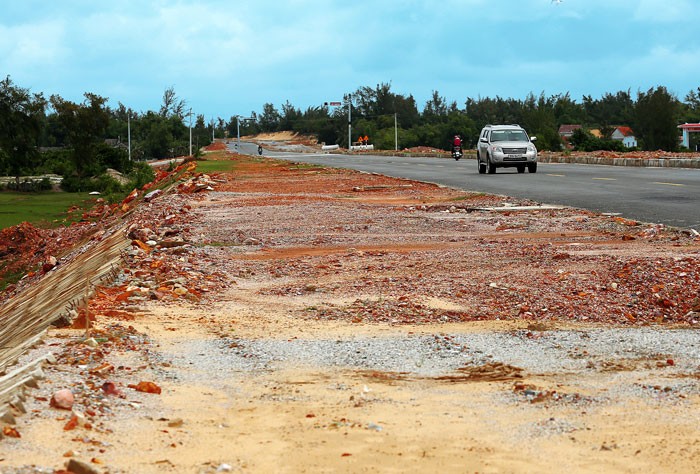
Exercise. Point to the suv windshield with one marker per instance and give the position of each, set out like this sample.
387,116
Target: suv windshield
508,136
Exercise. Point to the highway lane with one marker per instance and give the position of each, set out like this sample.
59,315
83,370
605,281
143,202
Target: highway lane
668,196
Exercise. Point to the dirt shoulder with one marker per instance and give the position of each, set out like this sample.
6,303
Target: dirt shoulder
304,319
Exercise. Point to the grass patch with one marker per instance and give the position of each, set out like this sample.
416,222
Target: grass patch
306,166
467,197
42,209
215,166
10,279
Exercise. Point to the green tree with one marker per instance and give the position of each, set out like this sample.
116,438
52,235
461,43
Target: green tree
270,118
85,125
435,108
539,120
289,116
656,119
567,111
691,107
610,110
21,117
172,104
201,133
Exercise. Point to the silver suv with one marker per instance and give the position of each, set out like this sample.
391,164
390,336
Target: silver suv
505,146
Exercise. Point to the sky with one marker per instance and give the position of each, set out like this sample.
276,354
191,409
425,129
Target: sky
230,57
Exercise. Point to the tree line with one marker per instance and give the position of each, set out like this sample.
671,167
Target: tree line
81,140
381,114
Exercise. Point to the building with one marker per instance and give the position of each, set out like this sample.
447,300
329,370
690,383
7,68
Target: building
566,131
625,135
690,140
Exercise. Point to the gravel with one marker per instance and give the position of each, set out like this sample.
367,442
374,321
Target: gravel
673,351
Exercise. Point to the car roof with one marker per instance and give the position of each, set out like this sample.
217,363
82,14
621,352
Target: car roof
505,127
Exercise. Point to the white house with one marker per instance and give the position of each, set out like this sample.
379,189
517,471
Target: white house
688,129
625,135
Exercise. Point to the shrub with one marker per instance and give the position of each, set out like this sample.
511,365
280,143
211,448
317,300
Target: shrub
141,174
30,185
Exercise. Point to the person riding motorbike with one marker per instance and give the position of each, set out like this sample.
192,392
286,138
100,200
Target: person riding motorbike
260,149
457,147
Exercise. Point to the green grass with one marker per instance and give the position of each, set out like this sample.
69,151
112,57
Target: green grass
42,209
215,166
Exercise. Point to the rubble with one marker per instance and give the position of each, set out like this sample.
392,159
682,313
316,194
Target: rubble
298,259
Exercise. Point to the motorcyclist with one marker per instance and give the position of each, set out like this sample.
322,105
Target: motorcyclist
456,146
260,149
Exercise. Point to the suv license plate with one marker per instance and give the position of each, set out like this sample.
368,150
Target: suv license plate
514,156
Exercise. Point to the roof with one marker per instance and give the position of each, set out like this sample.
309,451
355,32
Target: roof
625,131
568,129
695,127
505,127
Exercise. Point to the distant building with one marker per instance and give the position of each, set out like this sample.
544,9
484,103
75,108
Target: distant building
690,139
625,135
596,133
566,131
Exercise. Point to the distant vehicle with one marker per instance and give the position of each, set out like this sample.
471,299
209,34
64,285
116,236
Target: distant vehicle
260,149
505,146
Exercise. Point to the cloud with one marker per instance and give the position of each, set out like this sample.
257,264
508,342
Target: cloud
32,47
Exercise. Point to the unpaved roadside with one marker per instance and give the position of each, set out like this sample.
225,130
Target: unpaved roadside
327,321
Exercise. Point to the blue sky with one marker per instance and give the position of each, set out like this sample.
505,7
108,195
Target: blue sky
227,57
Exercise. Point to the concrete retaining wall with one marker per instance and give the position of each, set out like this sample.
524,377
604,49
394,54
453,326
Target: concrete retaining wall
639,162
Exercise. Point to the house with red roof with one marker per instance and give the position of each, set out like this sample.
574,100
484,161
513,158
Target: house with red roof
625,135
566,131
690,131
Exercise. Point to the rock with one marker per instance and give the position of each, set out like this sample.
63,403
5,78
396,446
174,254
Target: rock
153,194
80,467
176,423
63,399
91,342
142,234
171,242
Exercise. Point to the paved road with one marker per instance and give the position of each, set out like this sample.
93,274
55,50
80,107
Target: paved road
669,196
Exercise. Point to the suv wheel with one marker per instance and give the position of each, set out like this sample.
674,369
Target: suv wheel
480,165
532,167
491,166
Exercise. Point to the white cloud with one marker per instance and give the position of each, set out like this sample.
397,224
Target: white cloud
37,46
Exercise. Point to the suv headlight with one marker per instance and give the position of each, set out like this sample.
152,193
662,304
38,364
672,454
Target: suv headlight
531,148
498,149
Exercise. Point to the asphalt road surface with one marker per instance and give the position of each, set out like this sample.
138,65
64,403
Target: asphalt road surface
668,196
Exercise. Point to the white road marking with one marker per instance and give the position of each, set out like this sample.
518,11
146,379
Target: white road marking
668,184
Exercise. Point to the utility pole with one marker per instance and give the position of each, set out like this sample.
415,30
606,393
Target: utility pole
396,135
238,133
128,128
349,122
190,114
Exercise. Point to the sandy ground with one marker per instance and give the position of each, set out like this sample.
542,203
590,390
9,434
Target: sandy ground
347,322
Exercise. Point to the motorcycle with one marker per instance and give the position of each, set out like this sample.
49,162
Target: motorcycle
260,149
456,152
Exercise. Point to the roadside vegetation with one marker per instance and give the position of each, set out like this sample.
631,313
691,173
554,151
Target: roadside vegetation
46,209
